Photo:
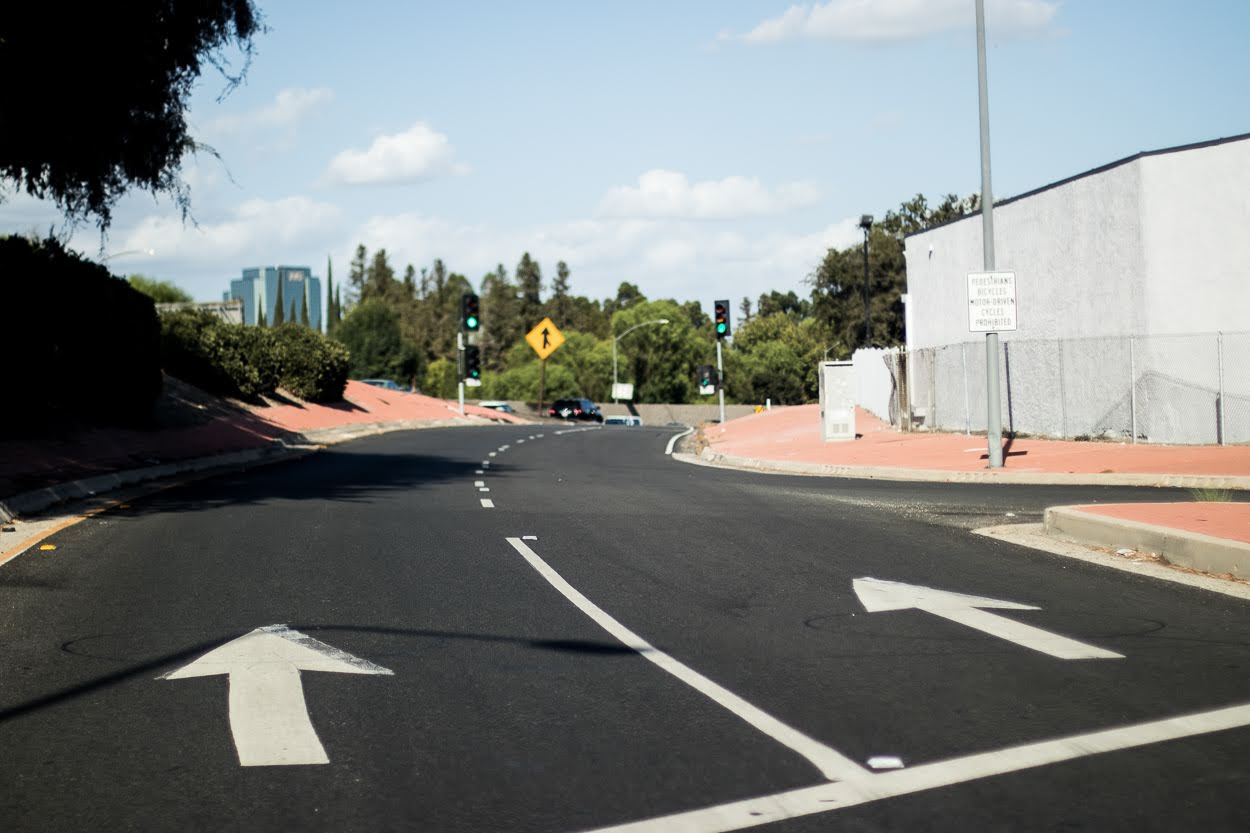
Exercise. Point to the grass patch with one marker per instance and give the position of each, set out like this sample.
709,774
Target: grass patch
1211,495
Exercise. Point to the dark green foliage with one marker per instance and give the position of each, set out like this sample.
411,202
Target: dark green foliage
101,107
314,367
79,343
162,292
279,314
226,359
371,333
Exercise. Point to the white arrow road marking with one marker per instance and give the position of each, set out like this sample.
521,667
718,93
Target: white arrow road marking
877,595
824,798
831,763
268,715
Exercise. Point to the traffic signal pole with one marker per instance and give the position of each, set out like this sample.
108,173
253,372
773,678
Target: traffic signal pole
460,368
720,382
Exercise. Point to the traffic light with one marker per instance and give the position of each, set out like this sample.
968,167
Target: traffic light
707,379
722,319
470,317
472,362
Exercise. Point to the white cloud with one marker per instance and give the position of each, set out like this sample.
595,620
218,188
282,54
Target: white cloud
896,20
257,230
288,108
683,259
418,153
670,194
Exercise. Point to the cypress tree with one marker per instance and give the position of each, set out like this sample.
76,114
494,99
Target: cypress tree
303,309
330,311
279,314
260,320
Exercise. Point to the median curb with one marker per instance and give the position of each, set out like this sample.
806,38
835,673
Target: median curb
1177,546
708,457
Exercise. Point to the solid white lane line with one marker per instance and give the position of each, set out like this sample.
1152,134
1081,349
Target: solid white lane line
831,763
487,503
676,437
739,815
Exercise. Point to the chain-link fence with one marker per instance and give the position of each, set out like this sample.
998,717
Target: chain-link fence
1189,389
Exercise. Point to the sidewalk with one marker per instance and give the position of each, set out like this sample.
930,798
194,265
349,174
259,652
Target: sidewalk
1205,534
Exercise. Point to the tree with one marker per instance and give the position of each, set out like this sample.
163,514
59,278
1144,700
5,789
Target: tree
356,275
529,279
279,314
303,309
559,305
626,296
501,318
660,360
136,63
331,312
161,292
775,357
838,282
371,333
379,278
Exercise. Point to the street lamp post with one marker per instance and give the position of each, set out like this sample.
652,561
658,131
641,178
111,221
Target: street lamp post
865,222
618,338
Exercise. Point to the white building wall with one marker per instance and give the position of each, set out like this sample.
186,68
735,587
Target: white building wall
1076,251
1196,238
1115,272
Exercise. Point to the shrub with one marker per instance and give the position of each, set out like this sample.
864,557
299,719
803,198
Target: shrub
79,343
314,368
219,357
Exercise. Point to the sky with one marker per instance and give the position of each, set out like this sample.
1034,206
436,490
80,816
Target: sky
703,149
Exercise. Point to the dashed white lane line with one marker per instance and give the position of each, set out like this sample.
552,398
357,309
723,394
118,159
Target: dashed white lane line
831,763
483,489
539,436
479,471
487,503
493,454
479,483
519,441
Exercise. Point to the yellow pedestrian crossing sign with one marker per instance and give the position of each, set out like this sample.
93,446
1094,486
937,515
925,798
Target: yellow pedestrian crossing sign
545,338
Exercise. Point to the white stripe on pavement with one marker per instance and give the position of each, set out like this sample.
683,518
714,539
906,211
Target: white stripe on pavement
677,437
831,763
487,503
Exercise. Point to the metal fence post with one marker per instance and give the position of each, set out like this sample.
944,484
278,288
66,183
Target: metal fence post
963,354
1063,399
1219,402
1132,387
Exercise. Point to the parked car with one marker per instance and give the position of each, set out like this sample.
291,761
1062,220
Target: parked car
497,406
387,384
622,420
578,409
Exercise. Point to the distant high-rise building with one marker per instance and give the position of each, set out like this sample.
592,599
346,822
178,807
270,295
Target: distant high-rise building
258,290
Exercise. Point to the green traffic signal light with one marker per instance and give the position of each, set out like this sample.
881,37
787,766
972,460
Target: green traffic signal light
720,328
471,322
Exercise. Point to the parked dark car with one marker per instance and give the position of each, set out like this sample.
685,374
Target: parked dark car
579,409
387,384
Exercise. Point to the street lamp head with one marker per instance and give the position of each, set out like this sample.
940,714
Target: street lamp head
865,221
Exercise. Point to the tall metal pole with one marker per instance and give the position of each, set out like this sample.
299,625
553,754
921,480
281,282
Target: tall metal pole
867,317
614,399
993,410
720,381
460,368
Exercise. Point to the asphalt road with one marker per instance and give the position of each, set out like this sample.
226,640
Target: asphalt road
604,637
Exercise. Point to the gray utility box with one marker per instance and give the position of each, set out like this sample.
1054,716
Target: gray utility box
837,401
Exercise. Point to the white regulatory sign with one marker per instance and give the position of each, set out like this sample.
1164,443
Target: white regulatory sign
991,302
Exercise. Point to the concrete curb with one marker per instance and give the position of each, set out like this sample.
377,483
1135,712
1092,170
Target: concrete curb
38,500
1178,546
1184,481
